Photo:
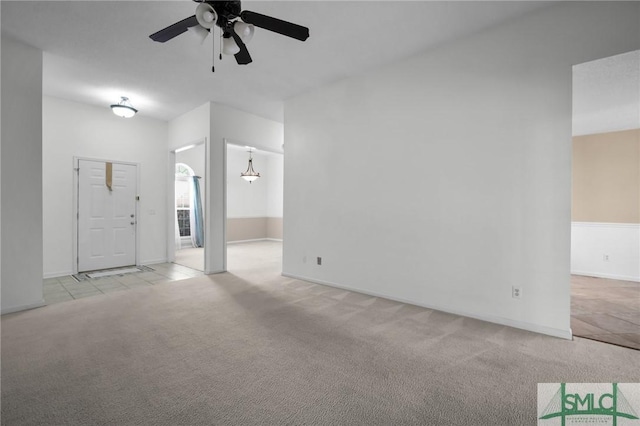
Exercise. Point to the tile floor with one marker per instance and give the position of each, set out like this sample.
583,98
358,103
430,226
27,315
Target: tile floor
241,257
606,310
66,288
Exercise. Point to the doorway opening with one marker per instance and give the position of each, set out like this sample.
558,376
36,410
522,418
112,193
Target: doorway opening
188,207
605,217
254,207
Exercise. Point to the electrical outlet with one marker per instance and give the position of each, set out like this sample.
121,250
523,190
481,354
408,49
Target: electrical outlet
605,257
516,292
319,260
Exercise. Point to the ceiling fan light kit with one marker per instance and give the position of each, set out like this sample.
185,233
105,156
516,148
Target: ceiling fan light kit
229,46
237,27
200,33
245,31
123,108
206,15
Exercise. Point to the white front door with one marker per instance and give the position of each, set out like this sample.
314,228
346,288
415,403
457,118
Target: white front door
106,215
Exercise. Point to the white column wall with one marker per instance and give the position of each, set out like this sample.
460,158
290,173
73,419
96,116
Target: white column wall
21,177
275,177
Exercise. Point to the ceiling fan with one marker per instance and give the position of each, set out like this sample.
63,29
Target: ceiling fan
236,25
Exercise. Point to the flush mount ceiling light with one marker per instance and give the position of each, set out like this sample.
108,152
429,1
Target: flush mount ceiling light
250,175
123,108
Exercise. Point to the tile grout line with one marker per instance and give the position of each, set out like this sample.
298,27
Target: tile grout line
162,273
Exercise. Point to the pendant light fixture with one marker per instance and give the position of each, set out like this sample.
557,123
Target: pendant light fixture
250,175
123,108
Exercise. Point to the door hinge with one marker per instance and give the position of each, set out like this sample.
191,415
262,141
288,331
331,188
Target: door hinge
137,198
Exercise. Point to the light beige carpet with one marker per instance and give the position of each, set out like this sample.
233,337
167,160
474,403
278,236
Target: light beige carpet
253,348
192,257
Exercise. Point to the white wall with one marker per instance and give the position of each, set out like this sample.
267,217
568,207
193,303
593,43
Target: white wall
607,250
72,129
192,127
21,181
445,180
245,199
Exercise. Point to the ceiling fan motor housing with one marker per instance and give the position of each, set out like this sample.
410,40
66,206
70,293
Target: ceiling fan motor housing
226,10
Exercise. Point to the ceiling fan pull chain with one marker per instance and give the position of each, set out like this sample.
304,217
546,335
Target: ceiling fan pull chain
213,49
220,44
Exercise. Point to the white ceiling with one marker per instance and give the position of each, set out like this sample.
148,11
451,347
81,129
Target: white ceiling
96,51
606,94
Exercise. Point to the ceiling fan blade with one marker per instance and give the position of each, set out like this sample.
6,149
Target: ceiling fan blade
174,30
242,57
276,25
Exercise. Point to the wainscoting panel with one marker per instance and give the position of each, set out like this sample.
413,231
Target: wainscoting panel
274,228
254,228
606,250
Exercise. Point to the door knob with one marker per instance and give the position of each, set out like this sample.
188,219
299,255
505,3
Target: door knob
133,223
132,215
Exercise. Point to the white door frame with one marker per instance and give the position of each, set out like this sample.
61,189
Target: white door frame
76,182
226,142
171,202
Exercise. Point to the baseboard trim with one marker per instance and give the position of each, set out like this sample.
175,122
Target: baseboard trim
152,261
57,274
606,225
253,240
549,331
13,309
609,276
218,271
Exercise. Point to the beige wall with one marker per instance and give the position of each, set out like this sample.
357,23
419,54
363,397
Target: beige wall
606,177
254,228
274,228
